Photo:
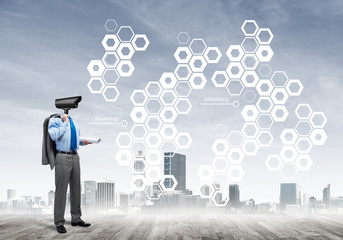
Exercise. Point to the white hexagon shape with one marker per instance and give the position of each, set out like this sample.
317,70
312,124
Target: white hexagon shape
168,80
154,157
140,42
168,132
220,198
249,28
274,163
288,154
279,96
154,191
265,138
198,80
198,63
205,173
182,55
220,164
264,87
198,46
235,70
265,70
183,37
168,114
124,157
235,155
288,171
139,148
250,113
168,97
220,78
153,89
265,121
153,140
168,183
110,42
249,44
303,128
288,136
249,96
303,111
279,79
235,173
138,131
220,147
183,72
183,140
125,68
213,55
138,114
264,36
139,183
153,174
169,148
279,113
95,68
110,93
235,138
250,61
139,97
303,162
264,53
125,51
183,106
125,34
110,76
183,88
235,53
294,87
110,59
124,140
264,104
220,130
235,87
318,119
250,147
111,25
153,106
153,123
250,78
96,85
303,145
250,130
318,137
206,190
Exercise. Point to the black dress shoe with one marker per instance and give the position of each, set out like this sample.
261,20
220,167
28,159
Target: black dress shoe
61,229
81,224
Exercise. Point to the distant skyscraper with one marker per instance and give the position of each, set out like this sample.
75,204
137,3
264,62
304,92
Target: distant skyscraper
175,164
51,196
288,194
105,196
89,191
326,196
10,194
234,195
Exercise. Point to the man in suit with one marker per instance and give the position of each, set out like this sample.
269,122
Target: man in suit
66,134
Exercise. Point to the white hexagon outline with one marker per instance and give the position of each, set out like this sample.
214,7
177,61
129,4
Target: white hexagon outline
89,85
270,168
250,140
170,76
245,57
115,40
132,165
153,83
314,125
321,141
168,91
235,132
110,99
147,42
197,39
264,114
303,105
248,108
183,134
235,150
220,170
159,195
182,66
288,131
275,92
267,30
163,117
125,45
110,65
219,54
224,143
233,178
262,110
259,89
277,108
153,117
198,75
298,142
178,36
133,33
211,192
124,134
228,87
308,165
244,78
148,157
202,176
188,102
153,99
138,177
177,54
262,144
263,48
215,74
164,128
223,194
286,159
300,134
249,21
134,112
240,53
96,73
183,82
288,87
108,70
111,20
138,125
148,172
133,95
235,75
120,70
128,153
157,136
242,45
164,187
278,72
249,91
198,58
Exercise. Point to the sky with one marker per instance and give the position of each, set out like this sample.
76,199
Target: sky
45,47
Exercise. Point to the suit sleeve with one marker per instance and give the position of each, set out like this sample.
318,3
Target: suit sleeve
57,128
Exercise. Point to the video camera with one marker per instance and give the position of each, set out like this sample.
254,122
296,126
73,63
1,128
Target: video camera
67,103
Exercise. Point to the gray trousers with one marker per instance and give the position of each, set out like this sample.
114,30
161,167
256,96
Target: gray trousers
67,171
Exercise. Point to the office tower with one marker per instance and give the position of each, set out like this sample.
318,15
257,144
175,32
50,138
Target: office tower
37,199
288,194
175,164
51,196
10,194
89,193
313,202
105,195
234,195
326,196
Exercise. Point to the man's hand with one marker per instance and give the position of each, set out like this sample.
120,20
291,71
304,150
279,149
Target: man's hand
85,142
65,118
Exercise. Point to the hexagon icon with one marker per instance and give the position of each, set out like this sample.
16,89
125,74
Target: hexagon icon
220,198
235,138
288,136
250,147
265,70
235,155
168,114
138,149
303,145
110,42
279,79
318,119
138,131
288,171
318,137
110,76
220,79
198,80
183,72
235,173
125,34
235,53
303,111
125,51
198,46
250,61
220,147
168,132
153,174
206,190
125,68
168,97
153,140
249,28
220,130
288,154
249,96
220,164
235,87
124,140
264,87
124,157
183,88
274,163
205,173
140,42
279,96
110,93
168,183
303,162
264,53
249,44
153,123
213,55
153,89
183,37
153,106
95,68
250,130
198,63
250,78
264,36
183,106
250,113
279,113
139,183
264,104
265,138
303,128
235,70
110,59
169,147
139,97
154,157
138,114
182,55
294,87
183,140
96,85
154,191
111,25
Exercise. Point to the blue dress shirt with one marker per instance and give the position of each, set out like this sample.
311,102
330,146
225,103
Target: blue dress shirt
60,133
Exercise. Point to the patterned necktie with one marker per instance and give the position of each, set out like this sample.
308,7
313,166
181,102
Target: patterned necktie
73,139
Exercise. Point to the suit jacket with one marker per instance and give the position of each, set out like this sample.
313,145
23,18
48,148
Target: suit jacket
48,145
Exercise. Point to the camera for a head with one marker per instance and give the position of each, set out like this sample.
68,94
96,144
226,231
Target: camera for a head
68,103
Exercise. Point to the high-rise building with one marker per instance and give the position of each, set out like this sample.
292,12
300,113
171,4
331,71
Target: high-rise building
288,194
105,195
234,195
326,196
10,194
175,164
89,193
51,196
